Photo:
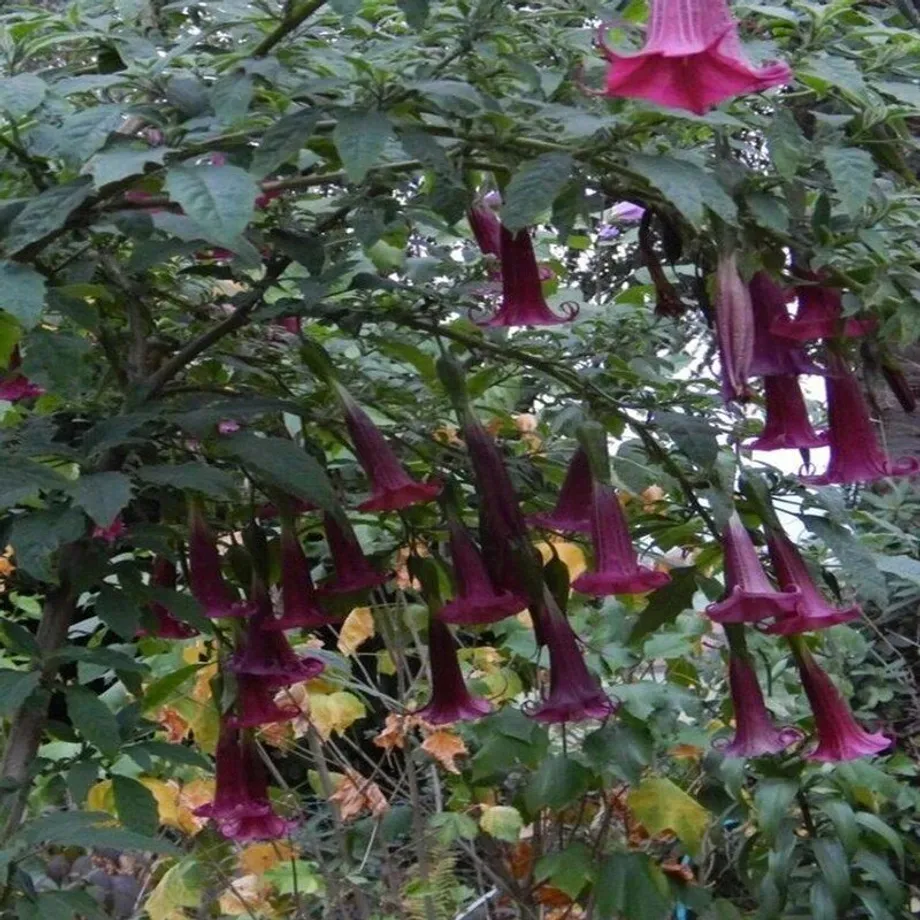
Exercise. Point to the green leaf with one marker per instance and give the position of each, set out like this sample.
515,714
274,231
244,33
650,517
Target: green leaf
121,162
694,436
502,822
875,825
118,611
172,753
21,478
93,720
835,869
102,495
788,146
452,826
667,603
135,805
688,187
89,829
881,873
21,94
195,477
625,747
103,657
231,96
852,170
855,558
182,885
843,818
220,199
821,902
164,687
86,131
283,140
558,782
416,12
183,607
768,211
569,870
22,293
360,138
662,806
533,188
15,688
630,887
38,534
772,801
46,213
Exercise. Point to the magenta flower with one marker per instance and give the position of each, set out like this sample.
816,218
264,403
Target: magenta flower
813,611
773,355
755,732
573,507
266,198
167,626
839,735
15,386
257,704
819,316
749,596
290,324
523,303
627,211
392,487
616,564
111,534
855,454
574,693
692,59
734,329
300,608
353,572
477,599
787,423
450,700
228,426
205,576
487,229
266,652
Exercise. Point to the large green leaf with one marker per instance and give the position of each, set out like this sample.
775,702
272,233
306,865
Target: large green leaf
852,171
661,806
102,495
558,782
89,829
22,293
93,720
533,188
21,94
46,213
857,561
631,887
36,535
118,610
283,140
688,187
360,138
136,805
219,199
15,688
195,477
21,478
118,163
667,603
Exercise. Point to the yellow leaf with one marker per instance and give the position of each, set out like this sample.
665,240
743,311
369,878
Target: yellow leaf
571,554
181,886
101,797
503,685
356,630
385,663
258,858
662,806
502,822
334,712
166,792
486,659
445,747
191,796
247,896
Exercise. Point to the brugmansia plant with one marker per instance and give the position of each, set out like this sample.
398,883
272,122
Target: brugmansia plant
458,459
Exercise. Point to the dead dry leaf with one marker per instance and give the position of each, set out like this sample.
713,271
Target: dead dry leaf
445,747
354,794
356,630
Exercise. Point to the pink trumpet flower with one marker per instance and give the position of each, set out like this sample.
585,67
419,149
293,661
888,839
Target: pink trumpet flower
734,329
392,487
111,534
692,59
487,229
523,303
839,735
450,699
167,626
749,596
813,611
774,355
477,600
257,704
207,581
755,732
353,572
855,453
573,507
819,316
787,423
616,564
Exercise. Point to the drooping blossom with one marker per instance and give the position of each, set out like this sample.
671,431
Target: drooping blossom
487,229
855,452
734,329
787,423
14,385
573,506
749,596
774,355
627,212
241,808
167,626
477,600
290,324
258,702
813,610
755,732
819,316
266,653
607,232
839,735
616,563
451,701
692,59
205,576
353,572
522,303
228,426
111,534
574,693
300,608
267,197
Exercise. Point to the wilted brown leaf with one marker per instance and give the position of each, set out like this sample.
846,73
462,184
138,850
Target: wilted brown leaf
247,896
354,793
445,747
258,858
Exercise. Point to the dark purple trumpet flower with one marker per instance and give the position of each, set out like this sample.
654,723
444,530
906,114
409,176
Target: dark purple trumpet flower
755,732
267,654
820,316
787,423
855,454
167,626
205,575
616,564
734,329
574,693
573,507
15,385
353,572
300,608
392,487
487,229
477,600
241,807
450,699
749,596
813,611
523,303
773,355
256,704
839,735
